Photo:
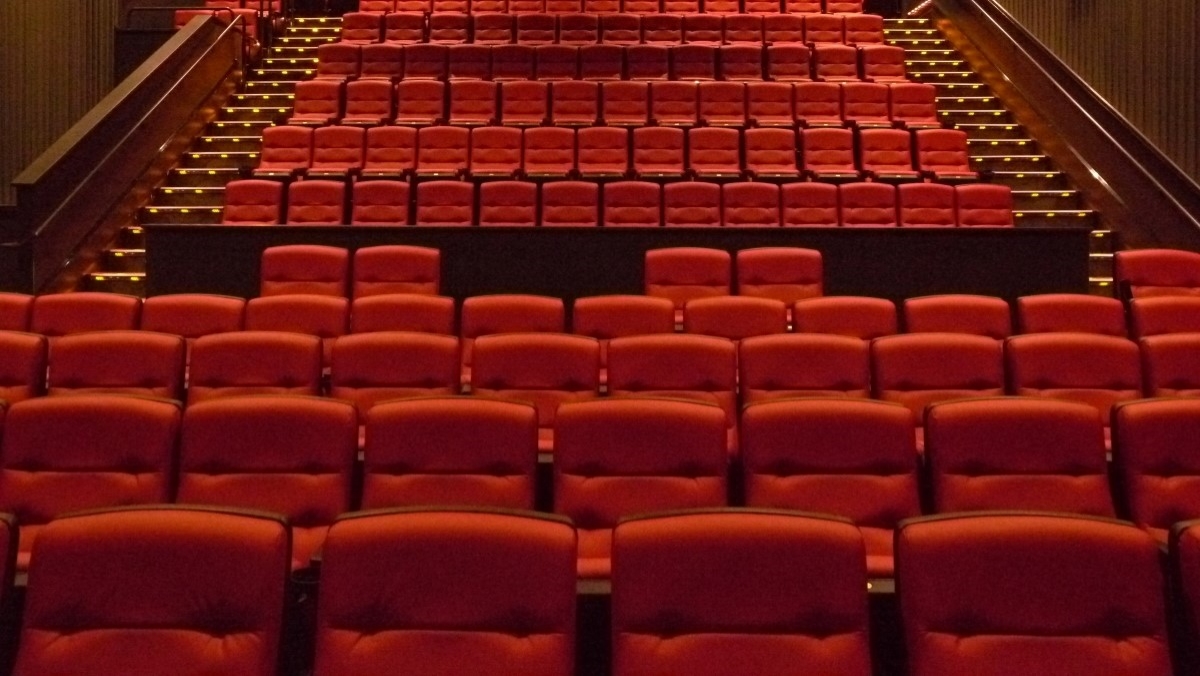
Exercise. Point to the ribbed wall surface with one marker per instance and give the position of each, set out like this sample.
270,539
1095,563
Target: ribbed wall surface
55,64
1143,56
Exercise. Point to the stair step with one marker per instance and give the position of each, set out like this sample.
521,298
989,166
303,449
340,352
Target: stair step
914,66
1050,200
1011,163
263,99
992,130
200,178
129,283
924,31
959,116
287,75
235,127
1103,241
1100,265
957,90
928,53
943,76
131,237
180,215
918,42
232,143
125,260
306,41
271,87
1031,180
241,113
219,160
189,196
1051,218
1000,147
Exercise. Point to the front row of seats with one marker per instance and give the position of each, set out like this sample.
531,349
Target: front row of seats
144,590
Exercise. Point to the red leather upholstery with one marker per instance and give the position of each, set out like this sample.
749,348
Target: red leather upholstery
290,455
525,102
317,101
186,590
508,202
825,28
574,102
914,104
338,60
390,152
337,150
919,369
745,620
62,314
1081,313
828,151
865,105
441,151
926,205
788,61
959,313
871,205
381,202
714,152
397,268
472,103
769,104
1088,368
833,62
692,204
1157,468
1063,595
323,316
369,368
786,366
604,151
544,369
463,450
254,362
403,312
985,204
819,104
1171,365
633,204
882,63
15,309
192,315
771,152
369,101
446,606
684,273
884,153
448,27
735,317
305,269
285,150
420,101
788,274
143,363
570,203
943,153
1164,314
619,457
723,104
403,27
857,316
809,205
857,460
1158,272
65,454
22,366
1016,453
361,28
750,204
445,203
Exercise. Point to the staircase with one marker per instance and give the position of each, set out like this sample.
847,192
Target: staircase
1042,195
193,192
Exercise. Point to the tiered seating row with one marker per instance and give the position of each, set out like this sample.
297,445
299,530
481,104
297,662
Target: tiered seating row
621,203
439,152
640,454
387,576
641,7
601,62
581,103
575,28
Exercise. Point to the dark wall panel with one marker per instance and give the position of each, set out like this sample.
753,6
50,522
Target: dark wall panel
1142,56
55,64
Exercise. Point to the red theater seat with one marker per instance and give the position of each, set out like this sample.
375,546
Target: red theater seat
1158,272
445,203
141,363
788,274
1071,312
254,362
190,586
396,269
508,203
421,312
787,366
1065,595
369,368
1157,461
746,618
1167,314
958,313
15,309
66,454
633,204
984,205
926,205
323,316
1171,365
735,317
1016,453
381,202
22,366
292,456
857,460
684,273
750,204
317,202
809,205
857,316
450,450
446,607
616,458
62,314
304,268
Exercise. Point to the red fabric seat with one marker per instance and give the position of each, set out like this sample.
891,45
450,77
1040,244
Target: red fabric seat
313,202
141,363
445,203
396,269
926,205
735,317
1088,368
857,316
1158,272
684,273
1170,365
421,312
254,362
22,366
304,269
62,314
1167,314
959,313
1071,312
632,204
1157,467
